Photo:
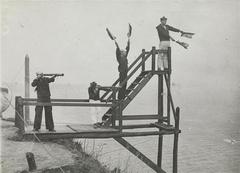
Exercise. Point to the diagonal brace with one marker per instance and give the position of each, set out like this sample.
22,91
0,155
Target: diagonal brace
140,155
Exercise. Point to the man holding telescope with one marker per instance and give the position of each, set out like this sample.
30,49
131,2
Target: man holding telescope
43,95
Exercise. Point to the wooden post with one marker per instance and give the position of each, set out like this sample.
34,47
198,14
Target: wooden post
175,143
169,60
19,117
114,109
143,56
31,161
120,115
27,88
160,114
169,84
153,58
140,155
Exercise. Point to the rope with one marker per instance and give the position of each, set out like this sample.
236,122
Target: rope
34,134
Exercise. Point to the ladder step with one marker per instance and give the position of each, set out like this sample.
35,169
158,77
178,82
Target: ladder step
136,83
164,126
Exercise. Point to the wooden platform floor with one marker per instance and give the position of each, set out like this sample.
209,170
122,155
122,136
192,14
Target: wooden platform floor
86,131
78,130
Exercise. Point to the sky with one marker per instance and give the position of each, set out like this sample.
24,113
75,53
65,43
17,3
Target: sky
70,37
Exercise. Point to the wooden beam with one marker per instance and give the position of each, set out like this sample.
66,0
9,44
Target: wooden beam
153,58
137,126
170,96
160,113
143,59
59,100
139,155
27,88
19,115
92,135
68,104
175,142
140,117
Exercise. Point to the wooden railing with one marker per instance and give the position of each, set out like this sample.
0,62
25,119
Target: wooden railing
140,61
21,102
111,101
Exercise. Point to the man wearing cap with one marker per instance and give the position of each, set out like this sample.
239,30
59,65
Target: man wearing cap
43,95
164,37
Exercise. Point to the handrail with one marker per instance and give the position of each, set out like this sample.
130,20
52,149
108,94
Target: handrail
170,96
58,100
30,103
129,68
132,73
136,68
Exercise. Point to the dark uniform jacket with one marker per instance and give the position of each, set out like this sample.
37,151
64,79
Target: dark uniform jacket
164,33
122,60
93,93
42,86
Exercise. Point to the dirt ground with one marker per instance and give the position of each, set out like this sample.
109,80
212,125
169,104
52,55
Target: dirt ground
49,156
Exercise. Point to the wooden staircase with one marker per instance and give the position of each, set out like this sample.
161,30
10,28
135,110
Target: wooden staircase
131,92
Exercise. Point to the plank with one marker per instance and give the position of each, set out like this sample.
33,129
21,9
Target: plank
139,155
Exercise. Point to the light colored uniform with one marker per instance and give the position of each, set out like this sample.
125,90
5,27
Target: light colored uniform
96,112
162,57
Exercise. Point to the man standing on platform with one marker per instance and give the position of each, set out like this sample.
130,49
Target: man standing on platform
164,37
43,95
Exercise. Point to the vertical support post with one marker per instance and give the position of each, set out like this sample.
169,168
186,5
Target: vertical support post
31,161
114,108
175,143
169,83
120,115
143,56
19,116
169,54
160,114
153,58
27,87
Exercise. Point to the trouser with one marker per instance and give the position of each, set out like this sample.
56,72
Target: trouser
48,115
163,57
95,112
122,90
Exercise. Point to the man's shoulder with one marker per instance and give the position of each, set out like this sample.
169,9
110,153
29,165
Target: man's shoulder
168,26
159,26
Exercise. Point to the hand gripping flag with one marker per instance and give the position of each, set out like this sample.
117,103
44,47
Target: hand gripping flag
129,30
187,34
110,34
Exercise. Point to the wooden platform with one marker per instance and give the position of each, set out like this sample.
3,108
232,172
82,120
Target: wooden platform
86,131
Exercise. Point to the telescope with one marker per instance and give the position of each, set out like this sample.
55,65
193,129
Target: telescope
53,74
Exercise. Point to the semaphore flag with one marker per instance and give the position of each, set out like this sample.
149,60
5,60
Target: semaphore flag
110,34
185,45
129,30
187,34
